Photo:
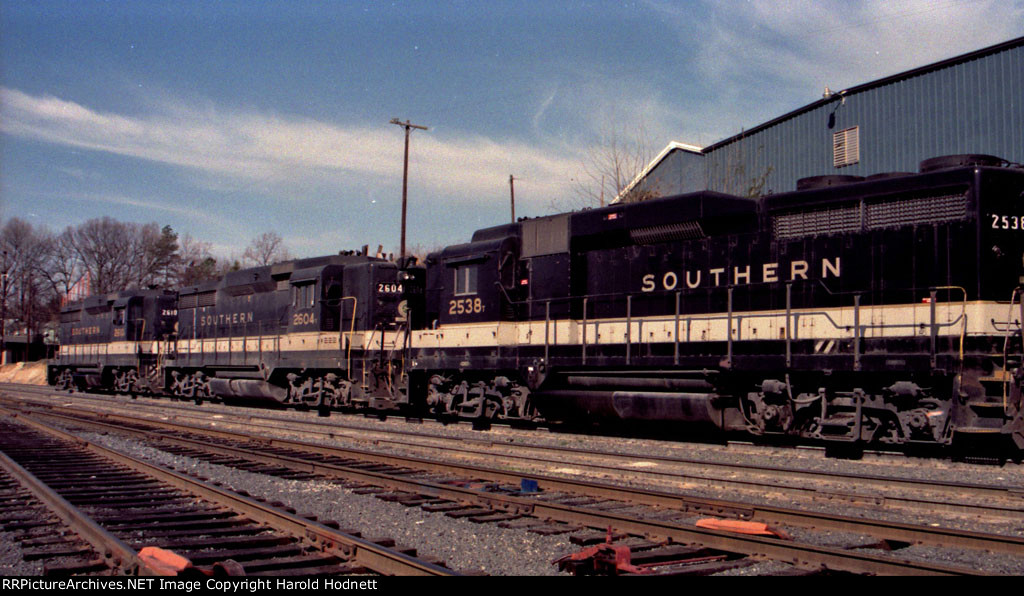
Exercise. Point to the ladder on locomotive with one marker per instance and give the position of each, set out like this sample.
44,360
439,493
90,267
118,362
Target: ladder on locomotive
1003,377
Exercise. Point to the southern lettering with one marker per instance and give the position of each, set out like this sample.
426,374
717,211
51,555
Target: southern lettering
736,276
226,318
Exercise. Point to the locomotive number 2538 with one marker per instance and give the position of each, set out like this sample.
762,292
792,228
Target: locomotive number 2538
1007,222
465,306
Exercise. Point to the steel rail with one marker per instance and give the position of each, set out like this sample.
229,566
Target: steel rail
116,554
951,490
372,556
766,513
803,554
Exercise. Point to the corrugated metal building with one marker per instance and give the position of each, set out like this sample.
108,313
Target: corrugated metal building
972,103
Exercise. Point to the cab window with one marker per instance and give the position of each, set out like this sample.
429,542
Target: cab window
304,295
465,280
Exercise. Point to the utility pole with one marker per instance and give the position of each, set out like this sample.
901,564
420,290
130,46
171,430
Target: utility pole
3,313
405,175
512,189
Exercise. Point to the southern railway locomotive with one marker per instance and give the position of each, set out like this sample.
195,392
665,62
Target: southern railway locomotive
851,311
317,332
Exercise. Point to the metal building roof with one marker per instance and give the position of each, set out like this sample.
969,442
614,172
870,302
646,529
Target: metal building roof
909,74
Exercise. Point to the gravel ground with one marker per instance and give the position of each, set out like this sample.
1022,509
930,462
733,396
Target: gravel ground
10,559
810,459
464,546
814,460
488,549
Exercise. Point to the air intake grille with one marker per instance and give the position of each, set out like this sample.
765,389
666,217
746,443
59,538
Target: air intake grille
892,212
72,316
687,230
921,210
207,298
188,301
823,221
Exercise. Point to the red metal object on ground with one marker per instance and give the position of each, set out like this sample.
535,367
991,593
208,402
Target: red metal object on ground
740,527
165,562
606,558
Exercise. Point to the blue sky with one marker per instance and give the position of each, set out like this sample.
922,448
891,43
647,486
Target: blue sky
228,119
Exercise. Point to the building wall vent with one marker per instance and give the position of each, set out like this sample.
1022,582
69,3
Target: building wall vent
846,147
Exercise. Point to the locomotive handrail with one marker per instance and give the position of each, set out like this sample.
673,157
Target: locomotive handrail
351,332
791,319
1006,325
1006,340
763,315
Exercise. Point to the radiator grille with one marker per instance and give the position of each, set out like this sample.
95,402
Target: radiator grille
921,210
891,212
207,298
823,221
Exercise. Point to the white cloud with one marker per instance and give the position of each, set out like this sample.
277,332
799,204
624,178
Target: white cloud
287,152
126,201
762,58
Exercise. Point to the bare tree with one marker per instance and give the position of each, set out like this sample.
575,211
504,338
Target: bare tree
266,249
63,269
106,249
156,253
611,166
25,291
196,263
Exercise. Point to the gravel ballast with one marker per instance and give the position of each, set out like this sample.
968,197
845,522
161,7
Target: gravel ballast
486,548
464,546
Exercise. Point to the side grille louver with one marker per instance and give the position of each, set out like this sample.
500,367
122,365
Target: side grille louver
687,230
891,212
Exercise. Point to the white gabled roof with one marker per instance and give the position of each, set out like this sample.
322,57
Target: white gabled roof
672,146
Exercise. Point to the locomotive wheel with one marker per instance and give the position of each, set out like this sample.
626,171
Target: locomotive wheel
201,389
65,380
121,382
131,379
149,379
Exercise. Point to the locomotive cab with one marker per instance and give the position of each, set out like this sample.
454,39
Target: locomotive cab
476,282
315,298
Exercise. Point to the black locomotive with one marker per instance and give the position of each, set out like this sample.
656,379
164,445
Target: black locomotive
114,341
851,311
316,332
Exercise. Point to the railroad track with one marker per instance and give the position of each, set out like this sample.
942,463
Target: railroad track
41,535
133,517
924,497
657,527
